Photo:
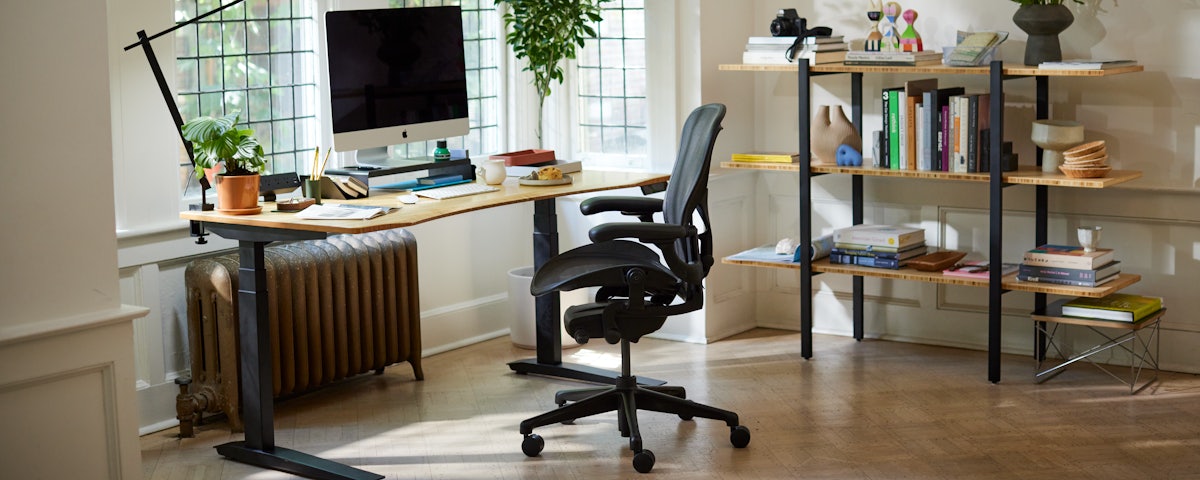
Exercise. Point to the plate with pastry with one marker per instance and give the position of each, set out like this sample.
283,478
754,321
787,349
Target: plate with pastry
545,176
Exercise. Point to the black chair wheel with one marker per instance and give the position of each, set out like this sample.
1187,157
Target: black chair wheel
739,436
643,461
533,444
685,417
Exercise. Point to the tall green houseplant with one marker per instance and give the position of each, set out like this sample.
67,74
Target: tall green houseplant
546,32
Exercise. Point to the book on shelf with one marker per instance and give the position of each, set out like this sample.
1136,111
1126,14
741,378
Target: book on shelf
913,95
788,41
891,127
1085,64
933,137
866,247
1122,307
898,59
780,58
978,269
876,262
766,157
1066,256
1080,274
1067,282
881,235
812,47
905,254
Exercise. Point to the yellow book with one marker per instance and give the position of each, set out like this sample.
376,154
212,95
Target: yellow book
769,157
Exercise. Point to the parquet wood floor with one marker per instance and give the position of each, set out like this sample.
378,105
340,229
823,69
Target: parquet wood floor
869,410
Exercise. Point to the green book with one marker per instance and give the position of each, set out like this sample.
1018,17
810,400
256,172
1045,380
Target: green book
1121,307
893,126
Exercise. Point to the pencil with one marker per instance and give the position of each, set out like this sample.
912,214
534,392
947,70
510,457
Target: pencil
316,155
323,162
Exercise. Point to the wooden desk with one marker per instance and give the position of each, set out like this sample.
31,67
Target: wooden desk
254,232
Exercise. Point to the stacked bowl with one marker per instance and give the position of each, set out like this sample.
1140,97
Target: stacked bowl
1089,160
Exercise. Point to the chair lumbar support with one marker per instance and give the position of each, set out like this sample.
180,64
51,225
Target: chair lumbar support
639,283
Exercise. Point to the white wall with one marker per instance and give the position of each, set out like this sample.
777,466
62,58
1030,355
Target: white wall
66,356
1148,120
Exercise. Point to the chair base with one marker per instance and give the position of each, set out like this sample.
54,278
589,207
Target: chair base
626,398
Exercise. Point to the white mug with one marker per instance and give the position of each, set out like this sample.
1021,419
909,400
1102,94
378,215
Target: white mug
492,171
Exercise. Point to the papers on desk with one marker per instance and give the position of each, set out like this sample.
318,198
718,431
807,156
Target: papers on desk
336,211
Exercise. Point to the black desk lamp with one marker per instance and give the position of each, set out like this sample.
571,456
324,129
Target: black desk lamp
197,229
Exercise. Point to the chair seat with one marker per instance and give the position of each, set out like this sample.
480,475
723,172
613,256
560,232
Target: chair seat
604,263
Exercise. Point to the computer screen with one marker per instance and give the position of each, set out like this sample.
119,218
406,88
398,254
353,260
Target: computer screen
396,75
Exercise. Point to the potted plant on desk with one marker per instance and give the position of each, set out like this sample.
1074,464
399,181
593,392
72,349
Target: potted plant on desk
217,140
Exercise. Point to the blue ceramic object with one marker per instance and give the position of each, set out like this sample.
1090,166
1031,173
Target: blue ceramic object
848,156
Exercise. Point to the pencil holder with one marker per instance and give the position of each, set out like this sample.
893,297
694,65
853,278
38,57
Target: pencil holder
312,189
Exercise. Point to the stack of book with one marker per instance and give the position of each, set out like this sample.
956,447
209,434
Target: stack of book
895,59
773,50
1121,307
1069,265
881,246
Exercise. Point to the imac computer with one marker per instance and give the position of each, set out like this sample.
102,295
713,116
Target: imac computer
396,75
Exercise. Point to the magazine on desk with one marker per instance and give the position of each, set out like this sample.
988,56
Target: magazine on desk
338,211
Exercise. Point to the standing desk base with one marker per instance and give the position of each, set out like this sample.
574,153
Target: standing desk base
291,461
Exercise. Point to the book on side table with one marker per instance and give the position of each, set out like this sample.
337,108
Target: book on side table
1121,307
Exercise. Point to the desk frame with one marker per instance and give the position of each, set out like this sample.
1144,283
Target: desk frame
254,232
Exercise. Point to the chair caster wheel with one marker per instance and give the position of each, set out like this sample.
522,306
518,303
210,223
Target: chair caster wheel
643,461
739,436
533,444
685,417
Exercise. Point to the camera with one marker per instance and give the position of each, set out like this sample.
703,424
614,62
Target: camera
787,23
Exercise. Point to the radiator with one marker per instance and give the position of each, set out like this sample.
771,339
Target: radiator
339,307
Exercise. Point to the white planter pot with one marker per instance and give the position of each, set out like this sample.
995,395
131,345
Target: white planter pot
522,328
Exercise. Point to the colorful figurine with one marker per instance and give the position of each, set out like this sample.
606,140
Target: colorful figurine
910,40
873,36
891,37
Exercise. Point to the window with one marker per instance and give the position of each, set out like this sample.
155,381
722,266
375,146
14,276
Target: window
258,58
612,106
482,44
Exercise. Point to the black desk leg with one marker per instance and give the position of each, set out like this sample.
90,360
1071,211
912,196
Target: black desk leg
258,407
549,333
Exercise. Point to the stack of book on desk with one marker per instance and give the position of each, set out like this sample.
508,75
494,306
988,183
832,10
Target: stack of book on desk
895,59
1121,307
881,246
766,157
1068,265
773,50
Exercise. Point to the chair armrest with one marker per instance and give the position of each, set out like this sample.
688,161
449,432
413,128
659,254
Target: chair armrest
625,205
655,233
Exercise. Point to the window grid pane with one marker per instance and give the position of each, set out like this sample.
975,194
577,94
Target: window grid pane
612,86
257,58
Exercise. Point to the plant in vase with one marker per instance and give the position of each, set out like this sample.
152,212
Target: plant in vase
217,140
1043,20
546,32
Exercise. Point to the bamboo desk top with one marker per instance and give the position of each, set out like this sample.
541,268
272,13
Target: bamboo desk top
429,209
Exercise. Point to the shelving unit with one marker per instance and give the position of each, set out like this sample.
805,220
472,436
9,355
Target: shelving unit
996,179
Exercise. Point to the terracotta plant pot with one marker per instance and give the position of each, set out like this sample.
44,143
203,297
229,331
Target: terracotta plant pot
1043,23
237,194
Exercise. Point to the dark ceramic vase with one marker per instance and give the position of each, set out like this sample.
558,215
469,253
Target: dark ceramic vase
1043,23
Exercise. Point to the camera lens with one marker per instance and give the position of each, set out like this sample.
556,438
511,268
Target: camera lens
782,27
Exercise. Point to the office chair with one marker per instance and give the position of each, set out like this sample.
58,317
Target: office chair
638,291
